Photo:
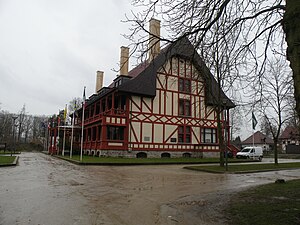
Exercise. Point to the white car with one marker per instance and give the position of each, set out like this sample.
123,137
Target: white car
250,153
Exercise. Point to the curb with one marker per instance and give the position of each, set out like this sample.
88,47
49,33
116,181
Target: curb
238,172
133,164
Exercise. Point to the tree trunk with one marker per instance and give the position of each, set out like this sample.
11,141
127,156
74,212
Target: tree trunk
220,136
275,152
291,27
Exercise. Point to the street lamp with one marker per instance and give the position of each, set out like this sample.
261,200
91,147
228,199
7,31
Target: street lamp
14,139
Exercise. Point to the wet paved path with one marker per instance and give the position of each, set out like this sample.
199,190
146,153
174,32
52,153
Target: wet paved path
48,191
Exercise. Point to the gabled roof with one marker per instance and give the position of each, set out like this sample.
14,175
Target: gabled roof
259,138
143,81
144,76
290,133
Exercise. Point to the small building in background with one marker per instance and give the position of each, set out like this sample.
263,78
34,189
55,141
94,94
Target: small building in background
289,140
259,140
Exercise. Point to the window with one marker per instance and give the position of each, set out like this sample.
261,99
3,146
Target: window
115,133
174,66
184,107
89,134
181,68
184,134
94,129
184,85
209,135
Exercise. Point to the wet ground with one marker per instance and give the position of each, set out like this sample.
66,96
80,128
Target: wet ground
47,191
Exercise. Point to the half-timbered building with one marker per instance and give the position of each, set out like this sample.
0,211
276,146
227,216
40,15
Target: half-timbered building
164,107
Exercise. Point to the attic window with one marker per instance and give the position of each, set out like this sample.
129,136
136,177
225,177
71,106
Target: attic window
175,66
184,85
181,68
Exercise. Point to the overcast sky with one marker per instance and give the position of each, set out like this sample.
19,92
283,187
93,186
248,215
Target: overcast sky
51,49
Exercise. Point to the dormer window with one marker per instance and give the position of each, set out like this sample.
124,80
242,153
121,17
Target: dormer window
121,80
118,82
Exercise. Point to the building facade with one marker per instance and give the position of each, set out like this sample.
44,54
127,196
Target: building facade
164,107
289,140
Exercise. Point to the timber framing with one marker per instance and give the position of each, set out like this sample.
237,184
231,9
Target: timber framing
163,108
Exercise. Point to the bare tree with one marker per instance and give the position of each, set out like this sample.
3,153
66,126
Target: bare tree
21,122
274,99
218,59
259,25
265,127
294,120
74,104
235,121
38,129
28,128
5,127
28,123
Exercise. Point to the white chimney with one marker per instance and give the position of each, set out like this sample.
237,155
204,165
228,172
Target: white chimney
99,81
124,58
154,42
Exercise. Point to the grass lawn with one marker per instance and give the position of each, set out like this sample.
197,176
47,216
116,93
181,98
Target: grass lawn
246,167
6,159
8,152
112,160
275,204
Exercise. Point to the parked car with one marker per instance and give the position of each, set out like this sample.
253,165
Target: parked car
250,153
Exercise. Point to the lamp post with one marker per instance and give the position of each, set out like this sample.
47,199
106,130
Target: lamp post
14,139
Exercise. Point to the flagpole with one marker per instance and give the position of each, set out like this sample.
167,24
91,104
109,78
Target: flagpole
72,133
58,142
81,149
82,124
64,141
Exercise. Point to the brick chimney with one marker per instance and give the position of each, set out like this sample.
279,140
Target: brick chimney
124,58
154,42
99,81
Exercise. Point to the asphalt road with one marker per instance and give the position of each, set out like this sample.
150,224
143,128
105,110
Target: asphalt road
43,190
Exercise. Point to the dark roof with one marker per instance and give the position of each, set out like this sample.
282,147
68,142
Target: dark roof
290,133
144,75
138,69
143,81
93,98
259,138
